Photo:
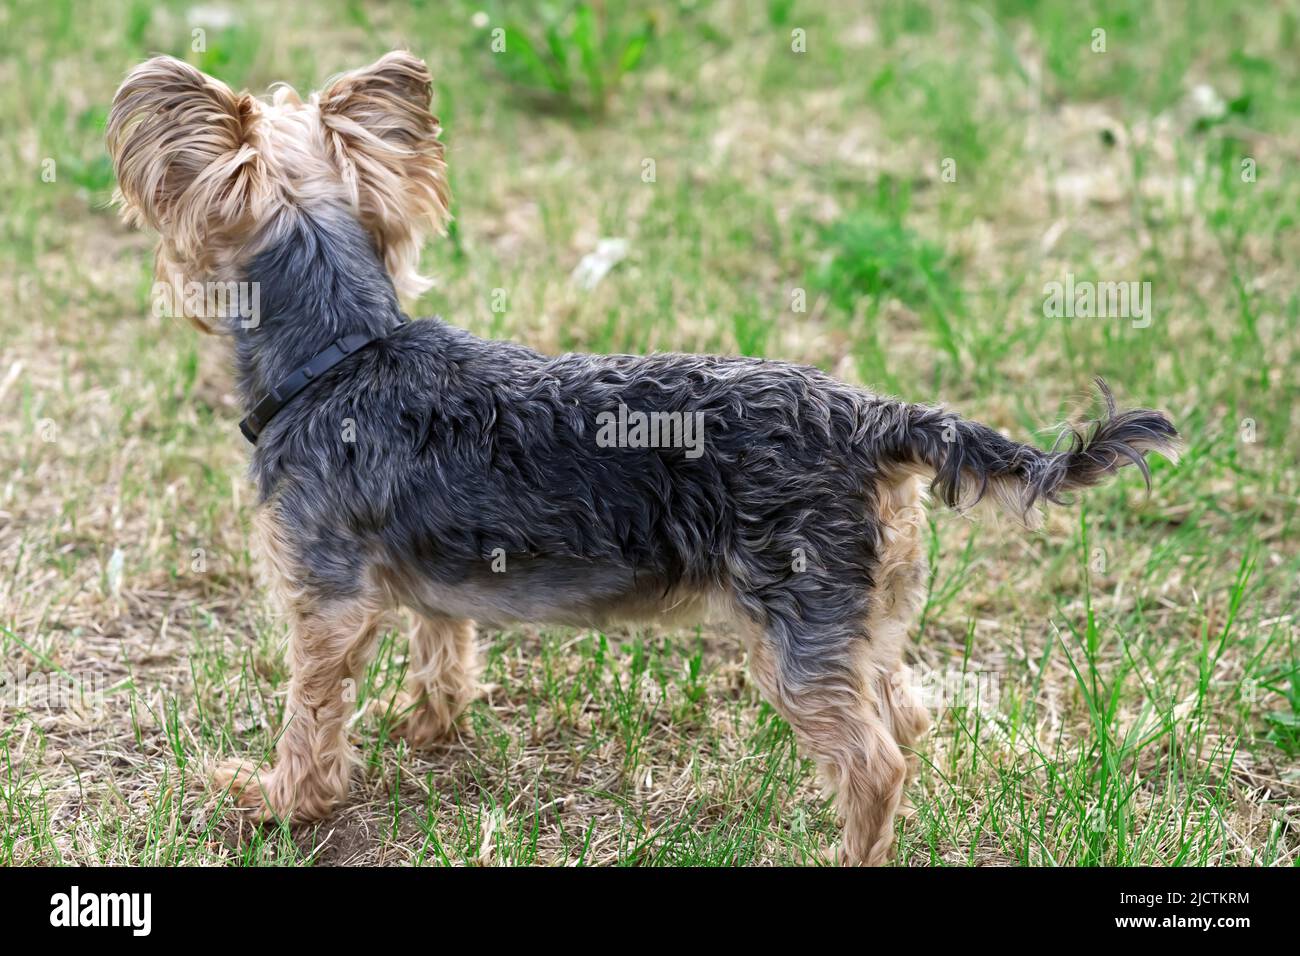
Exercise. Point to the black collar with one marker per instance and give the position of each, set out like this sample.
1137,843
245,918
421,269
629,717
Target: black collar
293,383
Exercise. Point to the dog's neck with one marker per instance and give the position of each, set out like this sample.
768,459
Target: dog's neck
318,282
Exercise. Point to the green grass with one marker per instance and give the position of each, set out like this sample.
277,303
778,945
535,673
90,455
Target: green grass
1122,688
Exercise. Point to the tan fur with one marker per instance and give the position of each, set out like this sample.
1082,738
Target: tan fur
1002,497
328,647
841,726
442,679
381,136
856,728
896,600
221,175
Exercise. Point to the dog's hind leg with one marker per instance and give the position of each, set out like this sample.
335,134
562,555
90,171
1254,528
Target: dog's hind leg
840,720
896,596
441,681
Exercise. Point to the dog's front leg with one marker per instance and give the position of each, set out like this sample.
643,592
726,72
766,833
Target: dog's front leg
328,646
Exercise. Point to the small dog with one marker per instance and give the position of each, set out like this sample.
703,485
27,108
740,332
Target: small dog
412,464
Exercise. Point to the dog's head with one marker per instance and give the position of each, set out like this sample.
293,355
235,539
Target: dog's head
220,175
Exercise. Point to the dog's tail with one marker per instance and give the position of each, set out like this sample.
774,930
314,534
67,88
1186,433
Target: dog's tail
969,460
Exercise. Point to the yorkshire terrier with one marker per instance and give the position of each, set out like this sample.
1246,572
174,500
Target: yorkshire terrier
412,464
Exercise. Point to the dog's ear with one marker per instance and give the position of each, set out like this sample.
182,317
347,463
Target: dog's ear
383,140
179,142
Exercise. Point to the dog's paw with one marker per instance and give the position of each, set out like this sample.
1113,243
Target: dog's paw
420,721
239,780
833,855
838,855
261,793
906,808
